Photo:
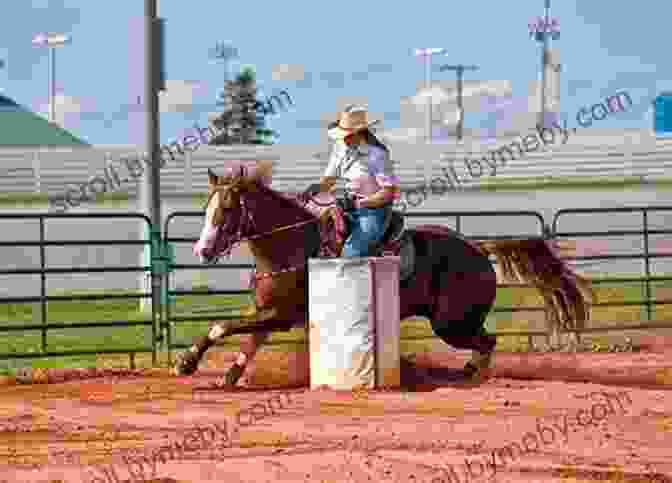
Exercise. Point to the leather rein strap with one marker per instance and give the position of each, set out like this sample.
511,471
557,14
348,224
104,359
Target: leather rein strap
262,275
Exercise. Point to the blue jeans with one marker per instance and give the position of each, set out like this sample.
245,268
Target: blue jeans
368,228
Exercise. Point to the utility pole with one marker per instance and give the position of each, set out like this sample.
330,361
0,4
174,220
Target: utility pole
150,187
459,70
544,61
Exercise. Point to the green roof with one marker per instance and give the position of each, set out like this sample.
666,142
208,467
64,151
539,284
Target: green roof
21,127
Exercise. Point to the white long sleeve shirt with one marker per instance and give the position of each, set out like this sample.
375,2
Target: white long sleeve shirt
367,168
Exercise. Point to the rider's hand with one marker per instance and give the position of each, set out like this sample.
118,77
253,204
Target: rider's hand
347,204
311,191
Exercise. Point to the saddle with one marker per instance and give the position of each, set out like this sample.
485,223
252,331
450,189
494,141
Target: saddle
396,241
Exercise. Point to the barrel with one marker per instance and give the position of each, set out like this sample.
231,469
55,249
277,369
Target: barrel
354,322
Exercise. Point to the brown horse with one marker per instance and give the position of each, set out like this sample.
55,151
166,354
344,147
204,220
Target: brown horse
453,282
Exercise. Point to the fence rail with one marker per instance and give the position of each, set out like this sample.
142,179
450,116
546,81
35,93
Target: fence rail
646,254
45,325
164,320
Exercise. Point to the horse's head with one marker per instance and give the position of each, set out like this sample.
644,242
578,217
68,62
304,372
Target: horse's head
227,216
241,206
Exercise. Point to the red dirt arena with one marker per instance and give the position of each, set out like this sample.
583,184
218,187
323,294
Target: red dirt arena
541,417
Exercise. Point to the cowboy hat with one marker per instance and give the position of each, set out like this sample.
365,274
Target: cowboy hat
353,119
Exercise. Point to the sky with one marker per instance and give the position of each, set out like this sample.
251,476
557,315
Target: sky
323,55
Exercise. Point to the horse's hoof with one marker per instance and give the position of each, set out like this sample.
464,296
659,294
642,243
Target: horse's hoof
186,363
479,365
233,374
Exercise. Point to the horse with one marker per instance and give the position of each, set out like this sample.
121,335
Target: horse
453,282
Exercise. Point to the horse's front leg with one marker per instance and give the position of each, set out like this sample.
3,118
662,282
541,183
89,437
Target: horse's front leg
248,349
187,362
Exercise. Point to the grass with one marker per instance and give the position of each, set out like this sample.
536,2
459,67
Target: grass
102,338
551,183
96,338
42,198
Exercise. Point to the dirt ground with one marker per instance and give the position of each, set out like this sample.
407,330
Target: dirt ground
436,428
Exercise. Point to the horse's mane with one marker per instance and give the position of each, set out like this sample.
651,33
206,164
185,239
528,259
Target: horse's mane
285,198
262,180
330,235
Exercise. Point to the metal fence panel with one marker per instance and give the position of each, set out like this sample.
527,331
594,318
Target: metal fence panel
524,224
44,270
653,245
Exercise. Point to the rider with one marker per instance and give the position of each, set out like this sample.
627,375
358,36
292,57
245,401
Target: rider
364,161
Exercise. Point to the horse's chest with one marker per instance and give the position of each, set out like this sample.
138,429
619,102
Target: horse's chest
285,289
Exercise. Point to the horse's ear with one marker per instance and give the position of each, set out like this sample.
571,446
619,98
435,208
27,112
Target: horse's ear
212,178
264,169
261,173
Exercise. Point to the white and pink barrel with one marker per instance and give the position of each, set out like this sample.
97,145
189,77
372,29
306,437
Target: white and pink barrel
354,323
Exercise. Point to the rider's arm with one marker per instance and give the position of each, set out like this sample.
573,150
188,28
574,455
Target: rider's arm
328,180
380,198
380,166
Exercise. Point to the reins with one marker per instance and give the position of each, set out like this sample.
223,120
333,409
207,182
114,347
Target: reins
243,226
234,186
282,228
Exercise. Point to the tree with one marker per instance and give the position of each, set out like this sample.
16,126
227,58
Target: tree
243,118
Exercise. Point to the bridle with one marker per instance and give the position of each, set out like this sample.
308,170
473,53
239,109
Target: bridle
247,221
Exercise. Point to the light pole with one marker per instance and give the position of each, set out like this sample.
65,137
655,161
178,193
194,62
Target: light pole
541,31
459,69
427,55
52,41
224,52
150,187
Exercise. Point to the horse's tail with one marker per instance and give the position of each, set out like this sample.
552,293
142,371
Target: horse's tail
567,294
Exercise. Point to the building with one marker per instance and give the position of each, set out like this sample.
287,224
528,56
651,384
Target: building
20,127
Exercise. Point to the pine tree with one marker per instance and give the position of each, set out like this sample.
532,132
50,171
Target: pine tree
242,121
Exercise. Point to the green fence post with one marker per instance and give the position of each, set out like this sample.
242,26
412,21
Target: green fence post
161,258
162,262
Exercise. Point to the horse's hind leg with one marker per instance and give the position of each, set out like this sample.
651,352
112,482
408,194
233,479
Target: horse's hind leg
478,341
248,349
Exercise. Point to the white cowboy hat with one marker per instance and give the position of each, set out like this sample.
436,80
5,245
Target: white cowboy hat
353,119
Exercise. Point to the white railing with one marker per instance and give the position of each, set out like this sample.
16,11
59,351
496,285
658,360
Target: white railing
50,171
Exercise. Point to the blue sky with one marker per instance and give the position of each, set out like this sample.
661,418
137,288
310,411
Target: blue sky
347,49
